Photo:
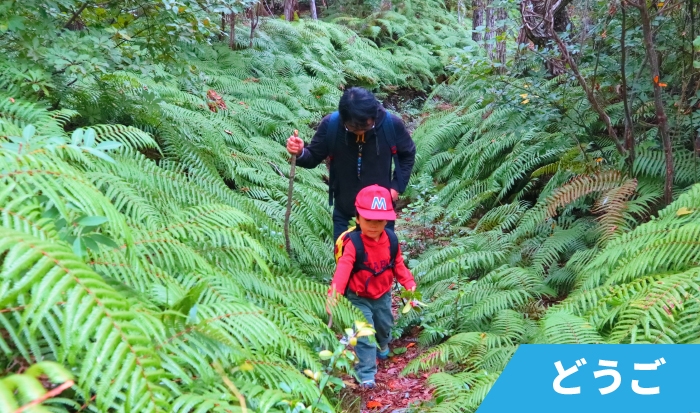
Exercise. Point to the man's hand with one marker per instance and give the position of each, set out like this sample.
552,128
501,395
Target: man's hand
295,145
412,289
394,193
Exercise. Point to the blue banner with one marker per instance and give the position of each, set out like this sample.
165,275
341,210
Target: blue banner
598,378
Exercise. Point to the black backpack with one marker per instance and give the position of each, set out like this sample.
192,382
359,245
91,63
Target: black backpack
353,234
332,136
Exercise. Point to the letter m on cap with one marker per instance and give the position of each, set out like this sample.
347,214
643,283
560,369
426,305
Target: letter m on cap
379,203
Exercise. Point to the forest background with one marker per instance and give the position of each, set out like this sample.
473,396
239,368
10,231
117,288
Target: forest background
143,185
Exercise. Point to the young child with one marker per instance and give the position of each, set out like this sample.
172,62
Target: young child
370,291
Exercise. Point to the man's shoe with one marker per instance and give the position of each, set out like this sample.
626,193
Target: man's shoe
383,354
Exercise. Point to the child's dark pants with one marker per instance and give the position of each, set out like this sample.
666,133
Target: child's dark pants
378,313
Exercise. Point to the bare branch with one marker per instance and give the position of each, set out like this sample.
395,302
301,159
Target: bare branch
76,14
589,93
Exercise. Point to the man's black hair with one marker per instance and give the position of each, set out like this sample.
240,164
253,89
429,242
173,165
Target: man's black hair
357,105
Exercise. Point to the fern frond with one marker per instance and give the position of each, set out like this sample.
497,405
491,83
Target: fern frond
561,327
93,314
454,349
581,186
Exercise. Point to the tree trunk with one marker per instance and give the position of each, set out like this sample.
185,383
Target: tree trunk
232,33
223,26
629,136
490,35
289,10
254,19
658,100
313,9
539,17
477,18
501,16
696,140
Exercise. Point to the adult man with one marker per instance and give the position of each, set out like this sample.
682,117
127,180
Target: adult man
365,141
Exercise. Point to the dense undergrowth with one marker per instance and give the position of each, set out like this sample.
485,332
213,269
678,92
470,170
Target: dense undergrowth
538,229
142,239
143,189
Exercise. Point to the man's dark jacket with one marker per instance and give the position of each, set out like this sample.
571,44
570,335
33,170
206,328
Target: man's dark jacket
376,159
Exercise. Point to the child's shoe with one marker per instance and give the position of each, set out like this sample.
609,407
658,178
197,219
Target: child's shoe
368,384
383,354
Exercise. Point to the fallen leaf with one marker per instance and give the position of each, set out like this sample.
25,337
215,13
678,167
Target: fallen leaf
526,101
373,404
409,345
398,350
683,211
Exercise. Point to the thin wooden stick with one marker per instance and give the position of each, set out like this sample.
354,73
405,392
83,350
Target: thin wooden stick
232,387
289,200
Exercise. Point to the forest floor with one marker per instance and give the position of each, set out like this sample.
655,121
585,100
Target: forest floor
392,393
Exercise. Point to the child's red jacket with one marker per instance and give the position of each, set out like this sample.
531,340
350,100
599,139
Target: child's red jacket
377,257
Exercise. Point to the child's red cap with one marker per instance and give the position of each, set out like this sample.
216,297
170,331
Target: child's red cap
374,202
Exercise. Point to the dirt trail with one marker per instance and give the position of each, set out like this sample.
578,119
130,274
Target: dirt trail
393,393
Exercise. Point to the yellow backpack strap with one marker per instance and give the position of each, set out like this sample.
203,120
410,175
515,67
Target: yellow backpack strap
339,243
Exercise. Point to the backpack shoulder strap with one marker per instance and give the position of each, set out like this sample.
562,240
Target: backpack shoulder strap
390,135
393,245
331,138
332,132
356,240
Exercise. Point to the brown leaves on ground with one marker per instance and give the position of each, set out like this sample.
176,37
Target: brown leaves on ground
215,101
